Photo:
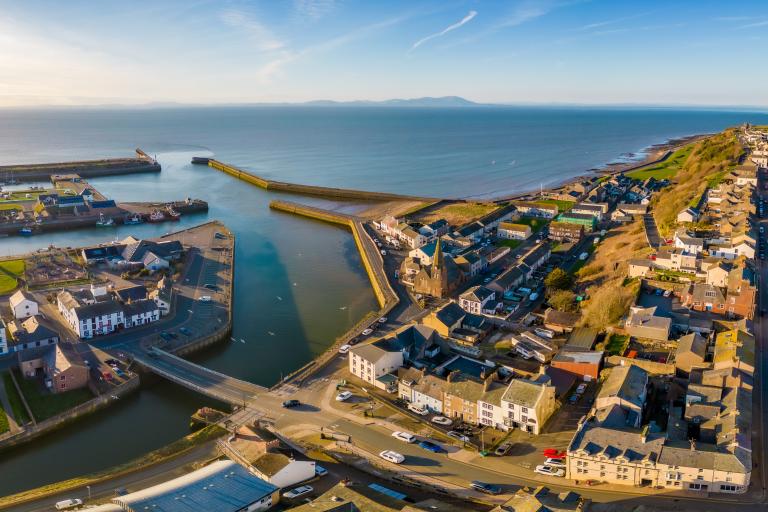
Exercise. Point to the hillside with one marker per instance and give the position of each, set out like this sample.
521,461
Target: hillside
707,163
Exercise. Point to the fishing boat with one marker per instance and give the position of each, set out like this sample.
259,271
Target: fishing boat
133,220
104,222
156,216
173,214
26,232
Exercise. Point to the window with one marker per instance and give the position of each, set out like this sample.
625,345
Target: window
728,488
525,410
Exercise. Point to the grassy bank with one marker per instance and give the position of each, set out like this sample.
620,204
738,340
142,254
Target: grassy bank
10,272
666,169
4,425
19,411
602,276
45,404
709,160
456,214
562,205
161,455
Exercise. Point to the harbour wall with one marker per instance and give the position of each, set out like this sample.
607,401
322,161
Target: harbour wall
311,190
85,168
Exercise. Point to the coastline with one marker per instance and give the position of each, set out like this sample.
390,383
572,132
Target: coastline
653,154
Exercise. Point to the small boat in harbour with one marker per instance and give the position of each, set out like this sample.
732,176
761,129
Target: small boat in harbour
156,216
26,232
133,220
104,222
173,214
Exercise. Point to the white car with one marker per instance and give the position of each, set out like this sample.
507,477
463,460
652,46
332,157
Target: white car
367,332
418,409
67,504
344,349
442,420
205,298
555,463
404,436
458,436
581,388
382,320
299,491
343,396
394,457
549,470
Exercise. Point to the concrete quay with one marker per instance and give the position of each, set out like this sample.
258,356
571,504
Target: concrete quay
85,168
310,190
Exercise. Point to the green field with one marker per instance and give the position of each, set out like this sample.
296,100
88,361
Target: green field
10,271
19,411
45,404
562,205
535,222
666,169
616,345
503,242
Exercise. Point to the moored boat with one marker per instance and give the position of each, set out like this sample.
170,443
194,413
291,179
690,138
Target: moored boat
104,222
26,232
133,220
173,214
156,216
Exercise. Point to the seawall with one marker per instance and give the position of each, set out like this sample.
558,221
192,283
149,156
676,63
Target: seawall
311,190
85,168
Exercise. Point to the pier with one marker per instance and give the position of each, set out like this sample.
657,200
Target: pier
141,163
309,190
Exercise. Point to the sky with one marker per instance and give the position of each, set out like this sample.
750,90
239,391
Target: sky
516,51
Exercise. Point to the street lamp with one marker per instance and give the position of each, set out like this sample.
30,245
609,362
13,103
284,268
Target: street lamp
89,492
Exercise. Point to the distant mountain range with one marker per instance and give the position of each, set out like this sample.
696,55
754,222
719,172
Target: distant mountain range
443,101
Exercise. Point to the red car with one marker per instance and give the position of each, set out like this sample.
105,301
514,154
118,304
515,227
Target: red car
554,454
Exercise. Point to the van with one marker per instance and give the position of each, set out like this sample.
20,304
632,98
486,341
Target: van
533,296
544,333
583,256
68,504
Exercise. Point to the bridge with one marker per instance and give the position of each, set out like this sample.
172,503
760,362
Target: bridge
199,378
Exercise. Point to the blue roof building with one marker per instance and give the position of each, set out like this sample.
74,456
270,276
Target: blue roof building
222,486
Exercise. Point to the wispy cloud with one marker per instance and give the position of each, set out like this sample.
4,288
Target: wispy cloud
606,23
763,23
275,66
261,36
313,9
466,19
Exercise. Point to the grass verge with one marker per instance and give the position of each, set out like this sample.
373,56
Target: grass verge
45,404
4,425
666,169
562,205
19,411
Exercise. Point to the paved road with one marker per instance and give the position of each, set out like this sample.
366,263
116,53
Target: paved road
652,234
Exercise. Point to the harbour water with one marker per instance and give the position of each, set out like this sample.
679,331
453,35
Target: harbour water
299,283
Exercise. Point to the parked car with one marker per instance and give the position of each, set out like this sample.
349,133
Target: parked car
205,298
343,396
667,293
404,436
543,469
431,446
458,436
418,409
382,320
320,470
581,388
366,332
185,331
344,349
392,456
298,492
288,404
166,336
442,420
68,504
503,449
555,463
211,286
485,487
574,398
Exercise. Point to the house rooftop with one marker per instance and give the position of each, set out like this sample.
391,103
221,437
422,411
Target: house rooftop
625,382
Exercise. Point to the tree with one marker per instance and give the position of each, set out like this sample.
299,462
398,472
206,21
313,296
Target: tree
558,279
563,300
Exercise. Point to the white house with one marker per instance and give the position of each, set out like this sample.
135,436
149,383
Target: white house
282,471
512,231
3,338
688,215
23,305
370,361
732,251
687,243
162,296
476,299
140,312
528,404
153,262
424,253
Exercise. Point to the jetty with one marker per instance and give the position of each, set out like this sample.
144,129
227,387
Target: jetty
141,163
308,190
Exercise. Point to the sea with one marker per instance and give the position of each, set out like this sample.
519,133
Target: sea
298,283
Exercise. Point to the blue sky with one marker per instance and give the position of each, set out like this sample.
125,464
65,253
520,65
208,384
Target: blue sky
516,51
